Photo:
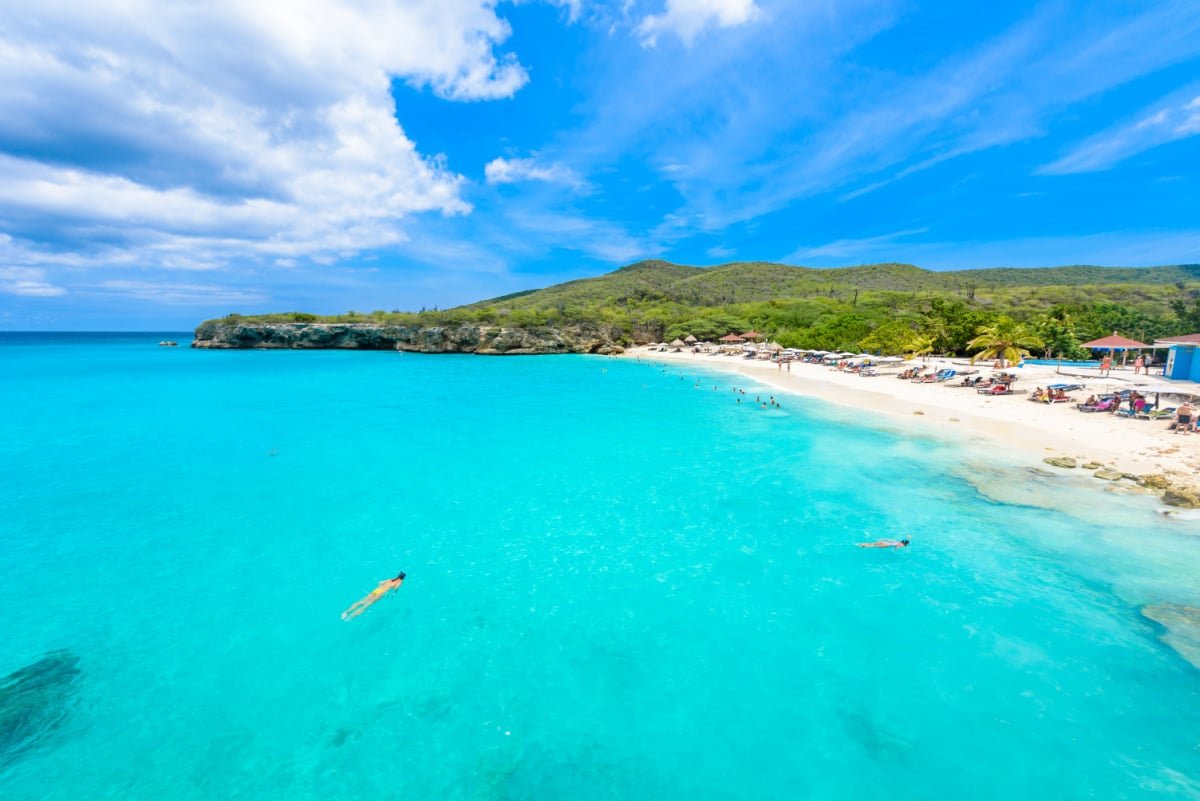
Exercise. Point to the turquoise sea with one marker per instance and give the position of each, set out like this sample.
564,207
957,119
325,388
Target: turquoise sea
622,584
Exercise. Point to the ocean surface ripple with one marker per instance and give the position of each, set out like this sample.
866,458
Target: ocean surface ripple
622,584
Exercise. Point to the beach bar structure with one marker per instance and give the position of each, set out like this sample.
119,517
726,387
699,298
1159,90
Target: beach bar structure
1182,361
1115,343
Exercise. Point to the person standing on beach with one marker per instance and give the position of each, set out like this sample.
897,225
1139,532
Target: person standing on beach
1106,365
386,586
1138,364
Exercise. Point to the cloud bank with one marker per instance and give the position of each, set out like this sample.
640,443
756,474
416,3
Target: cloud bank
192,135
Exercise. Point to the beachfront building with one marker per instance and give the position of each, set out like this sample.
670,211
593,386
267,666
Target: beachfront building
1183,364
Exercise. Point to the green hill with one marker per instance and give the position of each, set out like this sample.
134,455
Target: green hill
882,307
748,282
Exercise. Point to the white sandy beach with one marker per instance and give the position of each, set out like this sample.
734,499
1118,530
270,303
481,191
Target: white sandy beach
1124,445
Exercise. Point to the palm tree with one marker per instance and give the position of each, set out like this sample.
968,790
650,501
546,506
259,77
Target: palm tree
919,345
1004,339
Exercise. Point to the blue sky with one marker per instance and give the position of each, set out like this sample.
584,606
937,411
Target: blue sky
163,163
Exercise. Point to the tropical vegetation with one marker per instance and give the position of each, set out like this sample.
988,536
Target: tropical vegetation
1004,339
881,308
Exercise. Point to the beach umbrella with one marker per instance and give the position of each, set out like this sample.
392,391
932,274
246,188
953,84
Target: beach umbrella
677,343
775,347
690,339
1164,388
1113,344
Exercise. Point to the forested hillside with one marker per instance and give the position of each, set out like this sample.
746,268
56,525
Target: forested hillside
880,307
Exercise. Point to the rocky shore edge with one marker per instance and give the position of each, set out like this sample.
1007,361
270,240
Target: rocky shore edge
465,338
1182,496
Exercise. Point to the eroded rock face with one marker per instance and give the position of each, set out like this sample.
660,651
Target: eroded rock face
1154,481
1184,499
486,340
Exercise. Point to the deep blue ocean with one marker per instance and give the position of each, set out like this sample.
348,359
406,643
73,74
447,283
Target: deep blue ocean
622,584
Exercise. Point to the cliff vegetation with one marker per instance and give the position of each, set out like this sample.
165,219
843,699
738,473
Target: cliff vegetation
885,308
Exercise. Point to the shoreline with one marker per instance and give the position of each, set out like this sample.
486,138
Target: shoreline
1132,448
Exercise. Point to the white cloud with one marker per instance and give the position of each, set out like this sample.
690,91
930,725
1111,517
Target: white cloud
1175,118
687,19
27,281
509,171
599,239
1134,248
847,250
1010,88
180,294
185,135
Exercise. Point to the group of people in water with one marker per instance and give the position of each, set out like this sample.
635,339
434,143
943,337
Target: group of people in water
769,403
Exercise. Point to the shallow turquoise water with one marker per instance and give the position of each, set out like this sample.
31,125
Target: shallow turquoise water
621,585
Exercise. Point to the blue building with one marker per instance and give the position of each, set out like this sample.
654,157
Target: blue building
1183,363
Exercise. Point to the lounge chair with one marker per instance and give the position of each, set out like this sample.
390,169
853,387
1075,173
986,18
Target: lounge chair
1156,414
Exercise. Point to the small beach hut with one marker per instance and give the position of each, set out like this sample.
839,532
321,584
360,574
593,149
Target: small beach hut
751,335
678,343
1181,361
732,338
690,339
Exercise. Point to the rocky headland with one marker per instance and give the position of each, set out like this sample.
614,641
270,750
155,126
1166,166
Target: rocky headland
463,338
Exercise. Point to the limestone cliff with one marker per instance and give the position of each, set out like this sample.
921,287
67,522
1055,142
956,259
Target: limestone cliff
463,338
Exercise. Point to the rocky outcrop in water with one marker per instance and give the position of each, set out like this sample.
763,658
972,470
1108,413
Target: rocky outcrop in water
34,702
463,338
1182,628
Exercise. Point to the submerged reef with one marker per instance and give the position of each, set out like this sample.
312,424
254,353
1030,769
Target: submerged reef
34,702
1182,624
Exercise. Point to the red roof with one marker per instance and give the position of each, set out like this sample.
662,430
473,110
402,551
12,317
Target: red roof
751,335
732,338
1115,342
1188,339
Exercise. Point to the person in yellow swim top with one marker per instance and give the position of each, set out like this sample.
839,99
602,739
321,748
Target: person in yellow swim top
884,544
384,587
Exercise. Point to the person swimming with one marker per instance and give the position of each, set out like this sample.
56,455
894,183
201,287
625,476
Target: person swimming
384,587
884,544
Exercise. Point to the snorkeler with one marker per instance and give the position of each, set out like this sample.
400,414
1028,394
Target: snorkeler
385,586
884,544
